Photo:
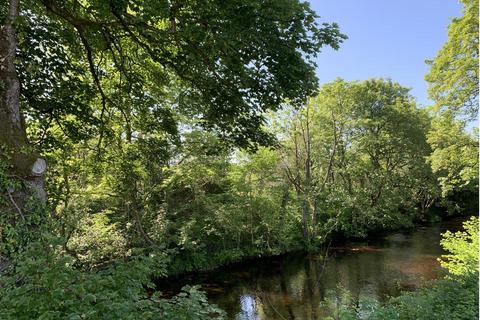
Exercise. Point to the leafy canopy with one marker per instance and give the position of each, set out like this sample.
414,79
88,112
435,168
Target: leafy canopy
453,77
221,62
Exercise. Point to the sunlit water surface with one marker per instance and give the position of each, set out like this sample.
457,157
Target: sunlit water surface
299,286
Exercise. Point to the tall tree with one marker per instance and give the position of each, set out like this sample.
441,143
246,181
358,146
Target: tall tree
229,60
356,156
454,87
14,146
453,76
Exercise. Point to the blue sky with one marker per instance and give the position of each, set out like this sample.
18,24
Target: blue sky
387,38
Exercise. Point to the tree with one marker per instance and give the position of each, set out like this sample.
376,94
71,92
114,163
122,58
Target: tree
14,145
298,164
355,155
453,76
228,61
453,85
455,154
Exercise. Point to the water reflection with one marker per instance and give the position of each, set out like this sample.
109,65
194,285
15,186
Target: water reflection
248,308
308,287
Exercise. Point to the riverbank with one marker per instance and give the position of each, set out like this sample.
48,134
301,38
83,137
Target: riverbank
301,282
181,266
373,267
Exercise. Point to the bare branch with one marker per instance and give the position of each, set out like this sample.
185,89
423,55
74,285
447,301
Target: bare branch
16,205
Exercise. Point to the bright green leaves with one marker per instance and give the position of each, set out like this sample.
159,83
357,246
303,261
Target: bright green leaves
96,241
453,76
364,144
462,246
453,79
455,154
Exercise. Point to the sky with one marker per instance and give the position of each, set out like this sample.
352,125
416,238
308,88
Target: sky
387,39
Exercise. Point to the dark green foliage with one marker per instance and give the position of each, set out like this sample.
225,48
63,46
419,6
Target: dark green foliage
43,284
17,225
54,87
145,111
228,61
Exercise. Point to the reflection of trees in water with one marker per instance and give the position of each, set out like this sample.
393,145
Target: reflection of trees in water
277,296
294,287
274,303
311,286
284,291
301,292
248,308
297,295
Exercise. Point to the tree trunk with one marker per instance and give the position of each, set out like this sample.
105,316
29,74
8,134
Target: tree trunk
23,163
283,206
307,141
305,220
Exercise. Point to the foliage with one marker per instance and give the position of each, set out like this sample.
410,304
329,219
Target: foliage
17,225
453,79
453,75
221,62
455,297
209,204
341,306
455,154
445,299
356,157
162,128
55,93
96,241
462,246
43,284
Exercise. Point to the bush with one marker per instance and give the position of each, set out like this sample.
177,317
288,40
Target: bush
96,241
463,248
43,284
452,298
445,299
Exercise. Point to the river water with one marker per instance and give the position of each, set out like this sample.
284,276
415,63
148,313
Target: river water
299,286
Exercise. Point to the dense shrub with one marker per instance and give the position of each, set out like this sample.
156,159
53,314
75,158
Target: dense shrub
43,284
452,298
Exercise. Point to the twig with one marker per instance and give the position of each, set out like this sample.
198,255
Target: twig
16,206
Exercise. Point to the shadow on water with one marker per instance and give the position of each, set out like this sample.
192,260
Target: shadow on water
296,286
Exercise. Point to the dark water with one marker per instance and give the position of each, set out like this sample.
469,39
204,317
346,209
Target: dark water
300,286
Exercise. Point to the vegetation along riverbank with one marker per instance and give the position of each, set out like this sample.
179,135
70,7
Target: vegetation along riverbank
142,139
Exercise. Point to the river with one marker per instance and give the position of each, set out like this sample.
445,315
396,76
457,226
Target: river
300,286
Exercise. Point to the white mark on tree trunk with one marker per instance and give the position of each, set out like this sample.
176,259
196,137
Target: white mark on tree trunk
39,167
